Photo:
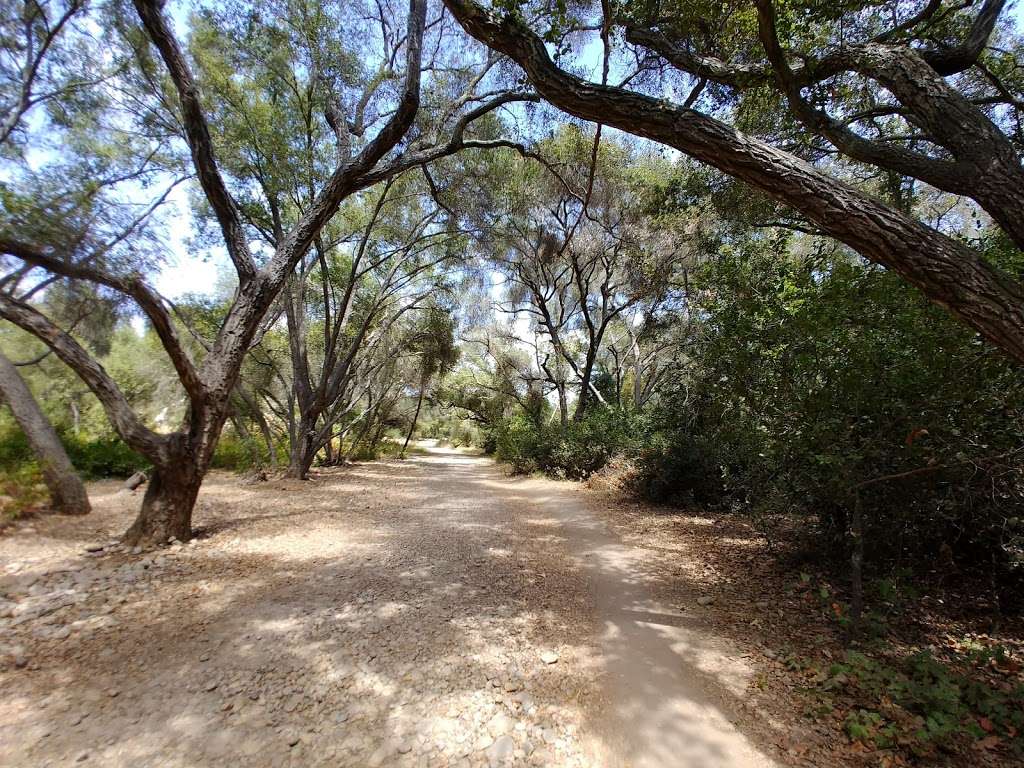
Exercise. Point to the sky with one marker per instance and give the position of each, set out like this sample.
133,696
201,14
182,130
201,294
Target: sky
186,272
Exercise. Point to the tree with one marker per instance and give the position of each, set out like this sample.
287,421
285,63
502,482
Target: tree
209,375
576,262
949,272
67,493
434,346
337,315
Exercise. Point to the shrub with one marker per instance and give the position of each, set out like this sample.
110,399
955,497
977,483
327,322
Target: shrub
575,451
22,491
94,458
924,703
812,377
104,457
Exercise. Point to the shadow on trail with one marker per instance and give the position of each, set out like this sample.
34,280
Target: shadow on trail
314,645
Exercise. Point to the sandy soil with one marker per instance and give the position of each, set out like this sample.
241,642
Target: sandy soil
430,612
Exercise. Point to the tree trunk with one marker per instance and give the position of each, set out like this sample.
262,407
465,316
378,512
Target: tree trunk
415,418
948,273
585,391
167,506
563,406
302,452
67,494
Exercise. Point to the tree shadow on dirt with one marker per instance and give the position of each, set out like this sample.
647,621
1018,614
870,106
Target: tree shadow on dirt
385,622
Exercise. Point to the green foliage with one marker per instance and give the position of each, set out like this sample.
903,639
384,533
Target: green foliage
103,457
575,451
922,702
234,454
814,376
94,458
21,490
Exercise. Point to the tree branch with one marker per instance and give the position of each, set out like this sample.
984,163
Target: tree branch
197,133
118,409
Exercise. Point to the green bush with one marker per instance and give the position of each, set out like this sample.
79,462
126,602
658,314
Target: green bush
923,703
678,468
575,451
237,454
813,377
233,454
105,457
14,450
94,458
22,491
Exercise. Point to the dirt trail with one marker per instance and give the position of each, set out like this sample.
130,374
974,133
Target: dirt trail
430,612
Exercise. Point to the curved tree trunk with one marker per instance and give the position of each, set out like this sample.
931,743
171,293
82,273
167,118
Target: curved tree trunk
67,493
947,272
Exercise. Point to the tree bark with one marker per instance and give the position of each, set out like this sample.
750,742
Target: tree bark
167,506
67,493
947,272
303,451
415,418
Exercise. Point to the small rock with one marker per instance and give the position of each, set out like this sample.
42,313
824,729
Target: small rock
705,600
501,750
549,657
82,757
404,748
211,686
94,548
293,739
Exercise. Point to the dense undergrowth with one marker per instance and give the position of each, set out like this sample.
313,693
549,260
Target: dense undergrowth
808,386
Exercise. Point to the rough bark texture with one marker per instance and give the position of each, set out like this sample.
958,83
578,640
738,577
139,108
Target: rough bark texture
303,451
947,272
167,506
67,493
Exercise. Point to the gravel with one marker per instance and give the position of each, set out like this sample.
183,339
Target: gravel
389,613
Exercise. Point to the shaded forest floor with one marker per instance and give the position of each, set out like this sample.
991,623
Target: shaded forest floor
431,612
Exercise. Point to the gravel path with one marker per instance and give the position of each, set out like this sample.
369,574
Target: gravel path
430,612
